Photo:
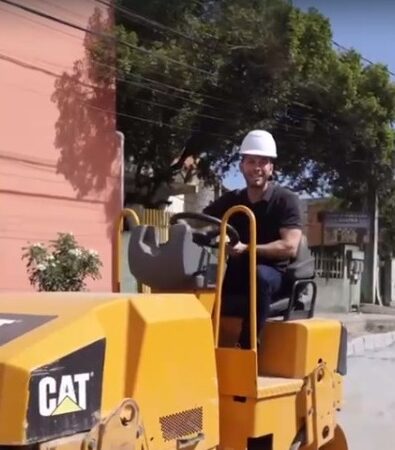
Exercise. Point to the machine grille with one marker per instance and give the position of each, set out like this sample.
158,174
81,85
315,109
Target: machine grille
182,423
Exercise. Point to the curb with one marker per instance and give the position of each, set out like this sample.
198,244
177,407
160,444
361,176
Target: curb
358,346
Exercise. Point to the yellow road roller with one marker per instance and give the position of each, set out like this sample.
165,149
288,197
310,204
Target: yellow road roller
160,370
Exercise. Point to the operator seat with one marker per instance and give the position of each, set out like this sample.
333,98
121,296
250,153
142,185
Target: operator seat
292,301
179,264
299,275
182,264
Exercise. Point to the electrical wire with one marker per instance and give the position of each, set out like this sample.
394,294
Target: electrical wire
125,115
131,82
62,8
72,25
103,35
178,89
141,85
119,114
153,23
31,20
132,14
368,61
174,108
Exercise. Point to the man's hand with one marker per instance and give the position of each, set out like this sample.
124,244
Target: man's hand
237,249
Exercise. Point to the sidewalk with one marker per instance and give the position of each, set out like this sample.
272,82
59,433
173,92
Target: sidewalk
358,324
372,328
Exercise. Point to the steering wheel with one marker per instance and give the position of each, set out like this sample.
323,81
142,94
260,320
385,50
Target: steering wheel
206,238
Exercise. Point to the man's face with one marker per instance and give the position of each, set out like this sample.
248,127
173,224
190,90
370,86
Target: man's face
256,170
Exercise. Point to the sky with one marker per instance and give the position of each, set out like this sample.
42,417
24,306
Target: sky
368,26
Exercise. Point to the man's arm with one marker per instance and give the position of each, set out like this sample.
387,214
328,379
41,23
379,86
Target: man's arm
284,248
290,233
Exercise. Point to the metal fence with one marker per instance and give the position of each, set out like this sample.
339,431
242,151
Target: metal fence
328,266
159,219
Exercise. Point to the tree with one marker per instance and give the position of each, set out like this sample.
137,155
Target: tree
194,90
349,143
194,76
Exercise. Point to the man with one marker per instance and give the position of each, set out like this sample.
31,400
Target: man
279,224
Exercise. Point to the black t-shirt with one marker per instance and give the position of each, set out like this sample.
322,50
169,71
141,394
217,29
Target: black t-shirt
279,208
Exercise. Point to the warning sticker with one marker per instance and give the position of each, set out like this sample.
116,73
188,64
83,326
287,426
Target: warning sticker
13,325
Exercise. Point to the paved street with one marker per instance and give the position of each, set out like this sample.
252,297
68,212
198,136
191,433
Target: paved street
368,417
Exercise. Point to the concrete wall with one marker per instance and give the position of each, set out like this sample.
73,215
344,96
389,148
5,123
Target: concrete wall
332,295
177,204
196,202
59,157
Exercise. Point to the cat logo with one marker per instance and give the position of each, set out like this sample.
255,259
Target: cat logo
63,396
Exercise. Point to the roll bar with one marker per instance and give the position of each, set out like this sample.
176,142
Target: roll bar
220,273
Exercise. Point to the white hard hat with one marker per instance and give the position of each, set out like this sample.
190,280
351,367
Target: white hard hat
259,143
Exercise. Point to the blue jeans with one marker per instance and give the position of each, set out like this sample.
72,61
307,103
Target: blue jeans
235,298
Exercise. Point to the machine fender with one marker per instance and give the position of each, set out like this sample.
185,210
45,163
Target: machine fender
339,442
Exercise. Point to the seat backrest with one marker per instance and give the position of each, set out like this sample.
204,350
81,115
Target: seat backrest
302,267
174,265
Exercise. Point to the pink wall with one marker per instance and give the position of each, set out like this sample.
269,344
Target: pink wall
59,157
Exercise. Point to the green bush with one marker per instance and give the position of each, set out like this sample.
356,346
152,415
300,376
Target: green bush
63,265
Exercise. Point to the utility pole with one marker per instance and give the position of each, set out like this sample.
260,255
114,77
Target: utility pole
371,259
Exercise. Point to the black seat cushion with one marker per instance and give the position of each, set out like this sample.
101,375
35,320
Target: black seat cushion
302,267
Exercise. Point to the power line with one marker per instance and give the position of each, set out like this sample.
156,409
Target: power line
156,122
173,108
31,20
154,89
345,49
148,88
62,8
158,83
126,80
141,49
80,28
125,115
168,86
129,13
283,126
133,15
188,91
102,35
148,79
120,114
151,22
29,65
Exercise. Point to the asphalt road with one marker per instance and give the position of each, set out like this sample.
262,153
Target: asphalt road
368,416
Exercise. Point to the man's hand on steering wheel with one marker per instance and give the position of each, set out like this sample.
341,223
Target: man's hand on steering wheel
238,249
207,238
